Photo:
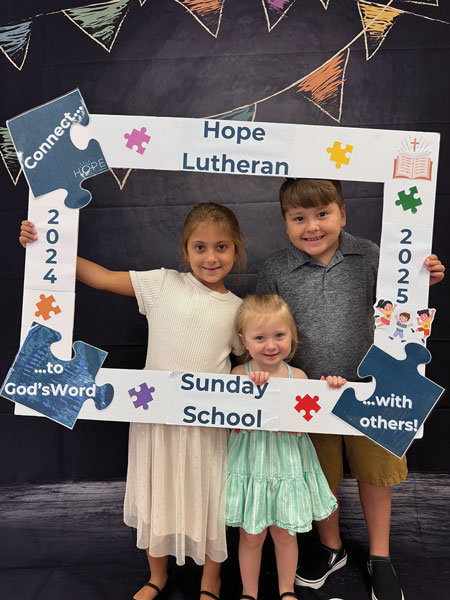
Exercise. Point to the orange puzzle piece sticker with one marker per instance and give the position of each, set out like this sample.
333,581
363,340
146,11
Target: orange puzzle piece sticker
45,307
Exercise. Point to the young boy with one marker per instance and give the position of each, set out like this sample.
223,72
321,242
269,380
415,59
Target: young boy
328,278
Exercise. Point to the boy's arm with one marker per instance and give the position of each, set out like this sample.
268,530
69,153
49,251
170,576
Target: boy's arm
436,269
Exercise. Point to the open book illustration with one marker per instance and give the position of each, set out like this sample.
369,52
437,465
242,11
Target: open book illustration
413,167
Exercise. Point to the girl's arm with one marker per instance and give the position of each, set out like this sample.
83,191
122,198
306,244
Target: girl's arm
27,233
90,273
93,275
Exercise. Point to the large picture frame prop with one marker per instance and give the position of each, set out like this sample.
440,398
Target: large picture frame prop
59,145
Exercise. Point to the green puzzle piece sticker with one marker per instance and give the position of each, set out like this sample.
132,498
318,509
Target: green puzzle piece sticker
408,201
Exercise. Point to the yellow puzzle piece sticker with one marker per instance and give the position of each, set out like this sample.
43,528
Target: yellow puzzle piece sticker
338,154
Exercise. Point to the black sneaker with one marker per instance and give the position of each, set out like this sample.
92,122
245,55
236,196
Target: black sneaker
385,583
323,561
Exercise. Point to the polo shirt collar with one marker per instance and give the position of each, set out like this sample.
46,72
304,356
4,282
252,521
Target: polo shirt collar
348,244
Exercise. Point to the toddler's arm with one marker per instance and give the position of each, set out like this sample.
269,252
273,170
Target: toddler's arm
298,373
90,273
259,377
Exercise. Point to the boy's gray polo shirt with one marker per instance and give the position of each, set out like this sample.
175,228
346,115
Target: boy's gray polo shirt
332,304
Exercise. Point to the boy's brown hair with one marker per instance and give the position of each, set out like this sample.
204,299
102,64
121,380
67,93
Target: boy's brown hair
306,193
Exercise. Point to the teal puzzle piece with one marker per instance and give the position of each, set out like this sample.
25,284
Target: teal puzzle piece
401,402
46,153
55,388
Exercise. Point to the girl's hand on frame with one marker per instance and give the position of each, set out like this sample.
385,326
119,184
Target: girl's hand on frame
435,267
27,233
90,273
259,377
334,381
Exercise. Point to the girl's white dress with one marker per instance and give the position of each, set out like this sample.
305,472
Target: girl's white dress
174,490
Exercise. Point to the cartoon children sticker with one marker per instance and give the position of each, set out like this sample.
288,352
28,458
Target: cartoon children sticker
425,317
386,308
403,321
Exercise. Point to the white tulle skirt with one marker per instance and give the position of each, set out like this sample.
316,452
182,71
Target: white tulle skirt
174,492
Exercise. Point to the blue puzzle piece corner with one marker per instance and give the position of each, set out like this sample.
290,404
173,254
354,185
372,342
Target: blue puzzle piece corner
51,386
46,153
402,400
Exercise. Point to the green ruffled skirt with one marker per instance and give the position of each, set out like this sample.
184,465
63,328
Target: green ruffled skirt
275,479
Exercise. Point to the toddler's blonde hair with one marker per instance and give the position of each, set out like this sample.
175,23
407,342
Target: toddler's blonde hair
266,306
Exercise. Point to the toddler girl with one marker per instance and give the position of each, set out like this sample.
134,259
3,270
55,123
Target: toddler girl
176,473
274,480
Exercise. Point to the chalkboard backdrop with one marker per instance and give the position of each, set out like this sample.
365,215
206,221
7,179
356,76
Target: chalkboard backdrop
322,62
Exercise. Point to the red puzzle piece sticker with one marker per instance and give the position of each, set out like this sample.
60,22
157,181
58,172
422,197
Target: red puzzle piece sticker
307,404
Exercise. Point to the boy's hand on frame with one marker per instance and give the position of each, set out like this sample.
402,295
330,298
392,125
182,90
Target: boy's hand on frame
435,267
27,233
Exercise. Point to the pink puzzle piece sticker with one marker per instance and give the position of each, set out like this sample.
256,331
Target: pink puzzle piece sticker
136,139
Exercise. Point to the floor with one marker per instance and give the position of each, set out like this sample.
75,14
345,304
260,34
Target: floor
68,542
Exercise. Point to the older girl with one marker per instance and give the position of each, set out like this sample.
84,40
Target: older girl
175,473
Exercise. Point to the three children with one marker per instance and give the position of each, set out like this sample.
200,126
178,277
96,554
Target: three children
328,279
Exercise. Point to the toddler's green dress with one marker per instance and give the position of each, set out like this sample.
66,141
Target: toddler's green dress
275,479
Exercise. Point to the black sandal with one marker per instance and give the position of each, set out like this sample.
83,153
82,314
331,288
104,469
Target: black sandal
291,594
210,594
247,597
152,585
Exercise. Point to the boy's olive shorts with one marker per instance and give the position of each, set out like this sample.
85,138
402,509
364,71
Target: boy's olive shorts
369,463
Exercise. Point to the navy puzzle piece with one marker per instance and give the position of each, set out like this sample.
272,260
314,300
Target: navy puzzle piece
46,153
401,402
53,387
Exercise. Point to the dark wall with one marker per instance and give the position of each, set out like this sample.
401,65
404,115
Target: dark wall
165,63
